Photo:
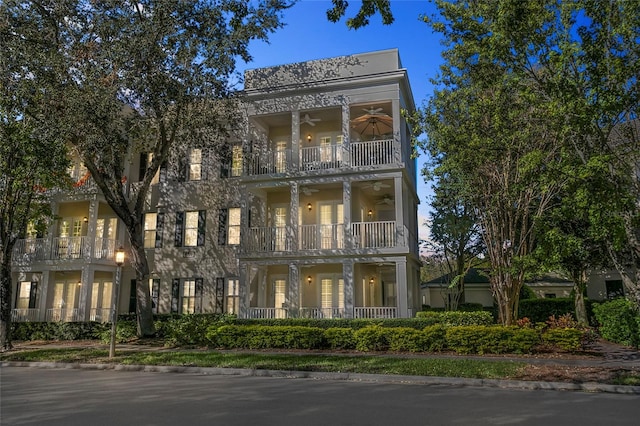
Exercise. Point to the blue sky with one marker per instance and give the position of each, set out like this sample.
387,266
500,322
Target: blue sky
309,35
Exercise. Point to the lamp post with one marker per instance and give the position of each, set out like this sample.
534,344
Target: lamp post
114,302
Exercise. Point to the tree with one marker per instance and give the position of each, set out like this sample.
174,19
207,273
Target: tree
456,237
116,77
368,8
29,164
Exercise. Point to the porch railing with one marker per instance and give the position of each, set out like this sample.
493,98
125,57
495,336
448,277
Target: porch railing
31,249
69,247
100,314
267,313
62,314
25,315
375,312
311,312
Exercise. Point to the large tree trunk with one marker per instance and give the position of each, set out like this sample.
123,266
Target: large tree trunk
579,287
144,313
5,302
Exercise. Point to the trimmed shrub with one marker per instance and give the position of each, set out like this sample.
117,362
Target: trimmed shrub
435,337
372,338
567,339
405,339
264,337
618,321
189,329
455,318
491,339
26,331
339,338
125,331
539,310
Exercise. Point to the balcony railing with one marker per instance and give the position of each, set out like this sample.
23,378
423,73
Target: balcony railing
63,248
321,237
366,235
321,313
374,234
25,315
63,314
268,239
375,312
322,157
358,154
269,162
267,313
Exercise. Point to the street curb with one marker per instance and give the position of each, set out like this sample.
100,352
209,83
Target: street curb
359,377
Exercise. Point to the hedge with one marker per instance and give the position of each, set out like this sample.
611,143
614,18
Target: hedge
491,339
618,321
453,318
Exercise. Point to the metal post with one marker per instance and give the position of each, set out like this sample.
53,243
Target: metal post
114,313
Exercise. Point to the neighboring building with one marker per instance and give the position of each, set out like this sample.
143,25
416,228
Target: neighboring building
312,210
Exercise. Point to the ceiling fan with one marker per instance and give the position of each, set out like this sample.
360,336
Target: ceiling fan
308,191
377,186
308,120
387,199
373,111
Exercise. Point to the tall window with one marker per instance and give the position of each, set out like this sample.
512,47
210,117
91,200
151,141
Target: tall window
236,160
195,164
154,291
186,295
229,226
281,156
190,228
233,295
26,297
153,230
332,292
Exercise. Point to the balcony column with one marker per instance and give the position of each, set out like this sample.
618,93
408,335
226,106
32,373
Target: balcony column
43,290
346,208
295,140
294,212
397,136
401,289
346,141
294,287
399,205
349,287
84,298
92,223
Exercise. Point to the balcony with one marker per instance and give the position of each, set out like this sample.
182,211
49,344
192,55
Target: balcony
25,315
63,248
366,235
327,157
63,314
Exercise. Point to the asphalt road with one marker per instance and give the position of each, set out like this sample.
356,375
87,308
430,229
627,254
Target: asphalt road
32,396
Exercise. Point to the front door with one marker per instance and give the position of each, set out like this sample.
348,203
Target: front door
280,297
101,301
331,226
65,299
105,237
279,219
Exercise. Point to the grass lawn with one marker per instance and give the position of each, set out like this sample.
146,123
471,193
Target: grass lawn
470,368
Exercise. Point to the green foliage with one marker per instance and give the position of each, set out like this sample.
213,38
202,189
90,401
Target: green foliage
340,338
453,318
367,9
491,339
264,337
189,329
527,293
567,339
28,331
372,338
539,310
619,321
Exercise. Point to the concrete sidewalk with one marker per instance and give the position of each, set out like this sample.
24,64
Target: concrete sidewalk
604,355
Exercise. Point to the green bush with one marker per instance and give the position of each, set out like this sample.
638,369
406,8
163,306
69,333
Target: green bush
404,339
539,310
455,318
491,339
567,339
435,337
372,338
189,330
265,337
125,331
339,338
618,321
27,331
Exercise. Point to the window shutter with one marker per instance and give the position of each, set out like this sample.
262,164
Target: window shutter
204,164
132,296
222,227
142,169
155,295
179,229
182,169
175,295
202,222
33,295
219,303
159,229
198,293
